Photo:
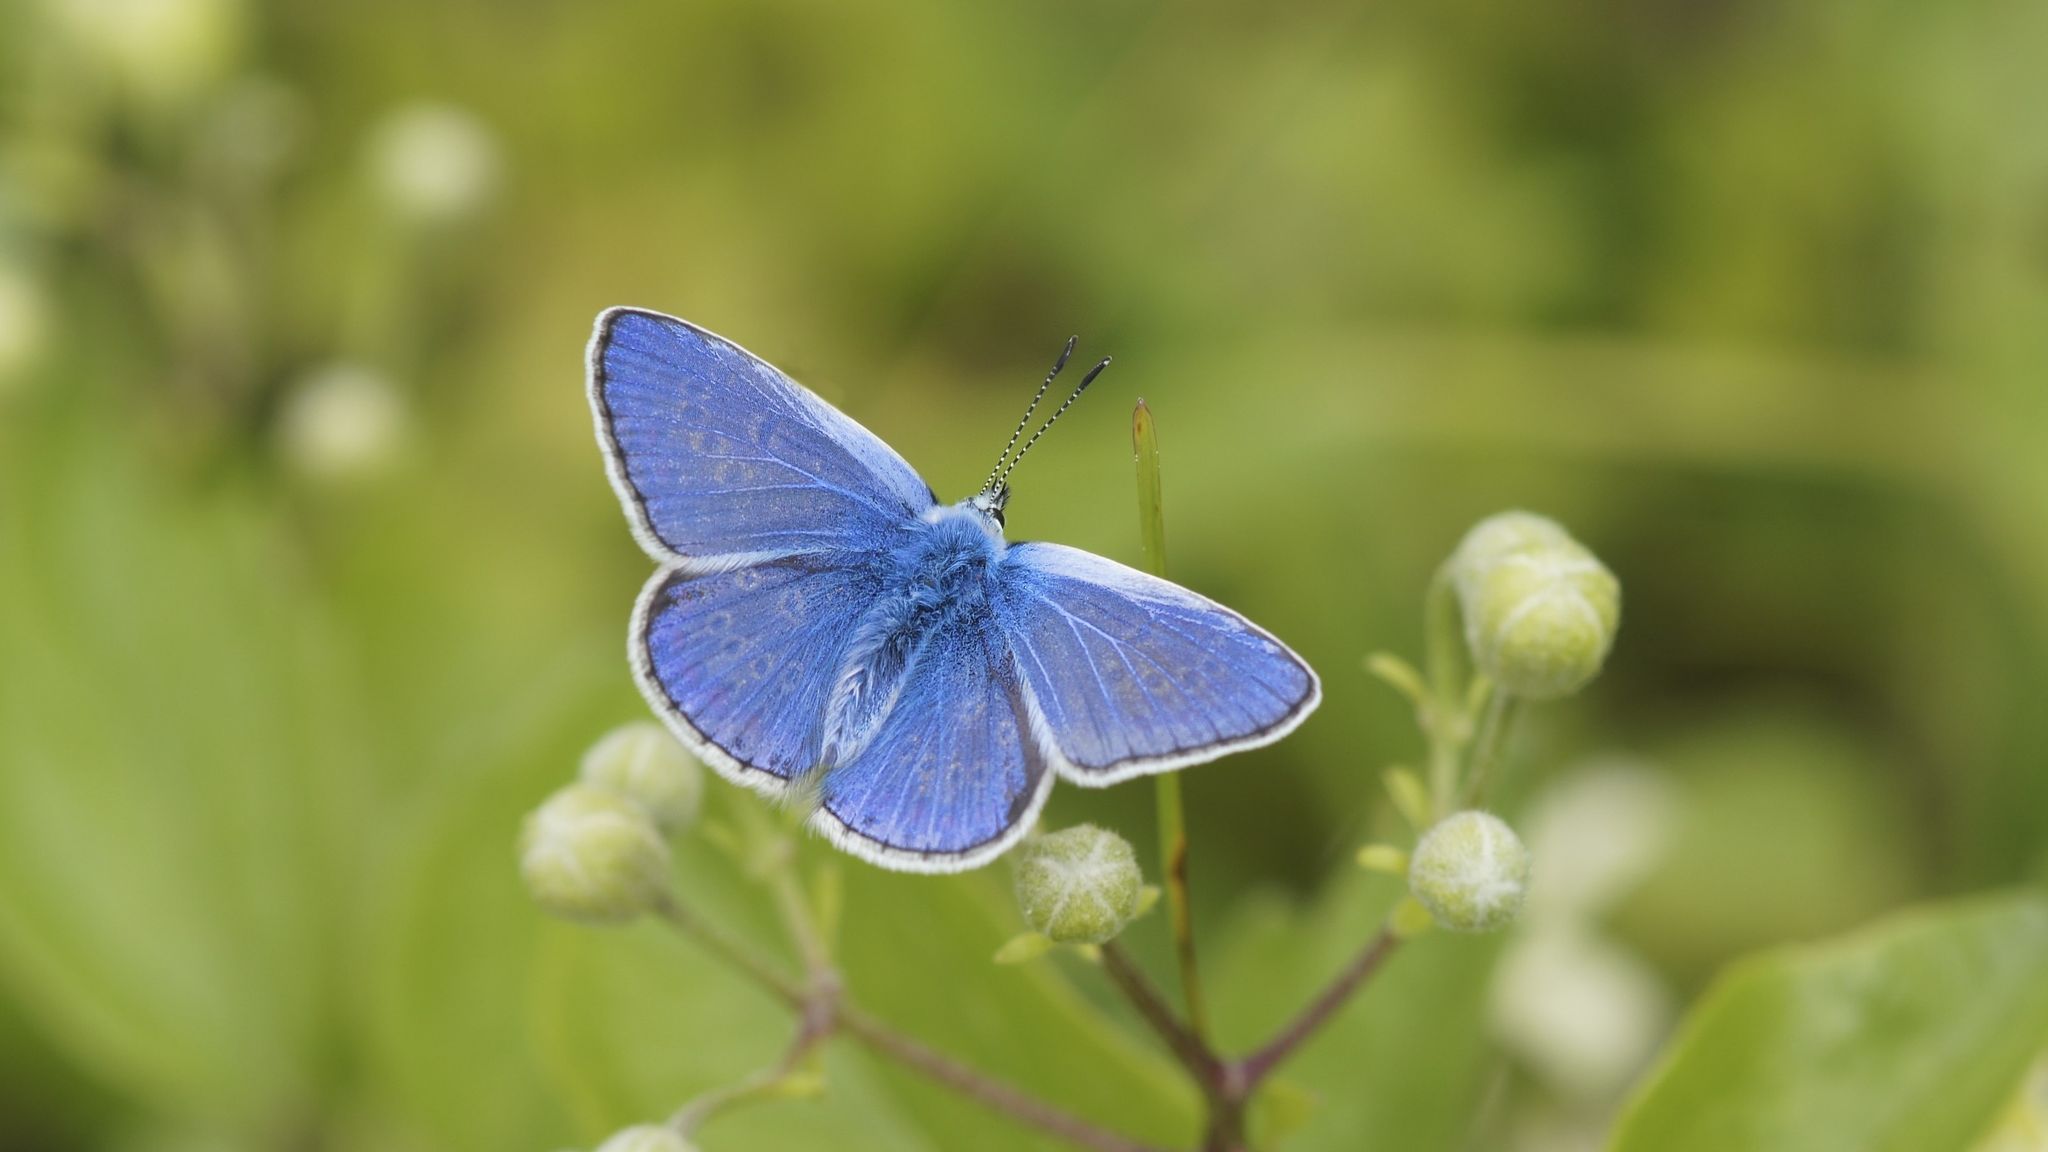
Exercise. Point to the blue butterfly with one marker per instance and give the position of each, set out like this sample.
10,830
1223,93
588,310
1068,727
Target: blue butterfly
821,625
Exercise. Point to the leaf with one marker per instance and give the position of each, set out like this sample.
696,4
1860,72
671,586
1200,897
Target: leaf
1023,947
175,739
1900,1037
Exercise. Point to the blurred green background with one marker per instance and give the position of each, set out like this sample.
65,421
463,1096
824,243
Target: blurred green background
311,583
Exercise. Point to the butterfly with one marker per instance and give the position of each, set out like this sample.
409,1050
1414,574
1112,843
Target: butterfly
822,627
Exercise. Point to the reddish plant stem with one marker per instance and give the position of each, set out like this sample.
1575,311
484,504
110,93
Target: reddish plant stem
1151,1004
984,1089
822,1011
1260,1063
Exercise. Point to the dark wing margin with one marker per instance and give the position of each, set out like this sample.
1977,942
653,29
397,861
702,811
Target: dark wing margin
739,662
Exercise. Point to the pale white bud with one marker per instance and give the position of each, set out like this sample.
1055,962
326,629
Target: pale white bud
1080,885
1540,610
590,854
645,764
1471,872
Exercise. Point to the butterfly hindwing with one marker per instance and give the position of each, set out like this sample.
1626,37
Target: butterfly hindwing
953,775
721,460
740,662
1130,674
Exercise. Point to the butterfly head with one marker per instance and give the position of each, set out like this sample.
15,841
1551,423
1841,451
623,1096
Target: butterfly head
989,502
995,491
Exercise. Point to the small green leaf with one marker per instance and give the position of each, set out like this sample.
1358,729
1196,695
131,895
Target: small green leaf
1023,947
1401,675
1410,796
1410,918
1281,1109
1383,858
1904,1036
1148,899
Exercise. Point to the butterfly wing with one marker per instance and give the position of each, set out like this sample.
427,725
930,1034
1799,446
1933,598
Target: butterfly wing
1128,674
953,776
740,661
721,460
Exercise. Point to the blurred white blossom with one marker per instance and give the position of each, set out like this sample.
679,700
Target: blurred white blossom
160,50
1581,1011
1584,1014
433,162
23,320
342,422
1598,832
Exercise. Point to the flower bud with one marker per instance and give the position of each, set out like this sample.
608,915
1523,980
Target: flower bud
1080,885
593,855
646,765
1540,610
1470,871
647,1138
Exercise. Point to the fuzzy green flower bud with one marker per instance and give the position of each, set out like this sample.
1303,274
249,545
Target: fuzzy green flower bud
647,1138
1080,885
1540,610
1471,872
646,765
590,854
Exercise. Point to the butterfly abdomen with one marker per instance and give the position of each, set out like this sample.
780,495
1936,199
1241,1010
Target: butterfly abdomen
934,582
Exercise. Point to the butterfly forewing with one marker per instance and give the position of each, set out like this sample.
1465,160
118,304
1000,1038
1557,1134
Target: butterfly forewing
721,459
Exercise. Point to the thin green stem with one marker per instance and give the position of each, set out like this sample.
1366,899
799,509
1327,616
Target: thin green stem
1494,723
1173,829
1444,723
797,915
734,952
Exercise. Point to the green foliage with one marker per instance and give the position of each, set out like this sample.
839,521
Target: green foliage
1748,295
1904,1036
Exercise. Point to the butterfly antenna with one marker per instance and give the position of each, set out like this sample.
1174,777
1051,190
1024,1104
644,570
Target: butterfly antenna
996,472
1050,420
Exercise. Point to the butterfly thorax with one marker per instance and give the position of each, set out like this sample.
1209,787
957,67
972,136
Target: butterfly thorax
936,580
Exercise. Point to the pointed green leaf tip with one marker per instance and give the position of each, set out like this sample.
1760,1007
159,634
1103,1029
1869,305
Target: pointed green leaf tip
1080,885
647,1138
590,854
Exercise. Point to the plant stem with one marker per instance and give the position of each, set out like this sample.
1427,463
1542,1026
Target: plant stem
1501,710
733,952
982,1088
1444,722
1138,988
1173,830
823,1012
1257,1066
